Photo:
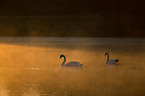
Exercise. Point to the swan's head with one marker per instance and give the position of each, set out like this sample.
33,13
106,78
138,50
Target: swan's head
61,56
106,53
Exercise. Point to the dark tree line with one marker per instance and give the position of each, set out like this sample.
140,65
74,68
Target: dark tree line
70,7
80,26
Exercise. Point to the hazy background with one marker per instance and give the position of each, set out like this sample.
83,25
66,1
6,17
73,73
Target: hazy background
78,18
68,27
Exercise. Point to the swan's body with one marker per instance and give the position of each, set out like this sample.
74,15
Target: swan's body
111,61
70,64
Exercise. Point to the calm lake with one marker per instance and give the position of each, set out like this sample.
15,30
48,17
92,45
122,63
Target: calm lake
31,66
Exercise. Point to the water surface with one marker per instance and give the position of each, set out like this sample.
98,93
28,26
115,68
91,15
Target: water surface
31,67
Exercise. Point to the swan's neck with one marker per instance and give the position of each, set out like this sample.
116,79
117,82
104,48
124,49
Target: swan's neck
107,57
63,61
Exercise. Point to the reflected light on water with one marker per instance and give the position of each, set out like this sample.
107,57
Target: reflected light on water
36,71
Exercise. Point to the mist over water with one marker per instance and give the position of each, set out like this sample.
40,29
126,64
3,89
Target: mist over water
31,67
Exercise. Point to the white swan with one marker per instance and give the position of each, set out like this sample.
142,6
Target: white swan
111,61
70,64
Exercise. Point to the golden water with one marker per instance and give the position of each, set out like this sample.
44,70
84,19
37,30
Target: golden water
36,70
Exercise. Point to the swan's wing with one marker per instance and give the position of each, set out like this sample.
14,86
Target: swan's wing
73,63
111,61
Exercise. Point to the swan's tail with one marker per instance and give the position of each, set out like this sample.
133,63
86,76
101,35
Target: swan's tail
116,60
81,64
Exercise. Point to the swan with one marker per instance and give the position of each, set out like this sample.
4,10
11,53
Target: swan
111,61
70,64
